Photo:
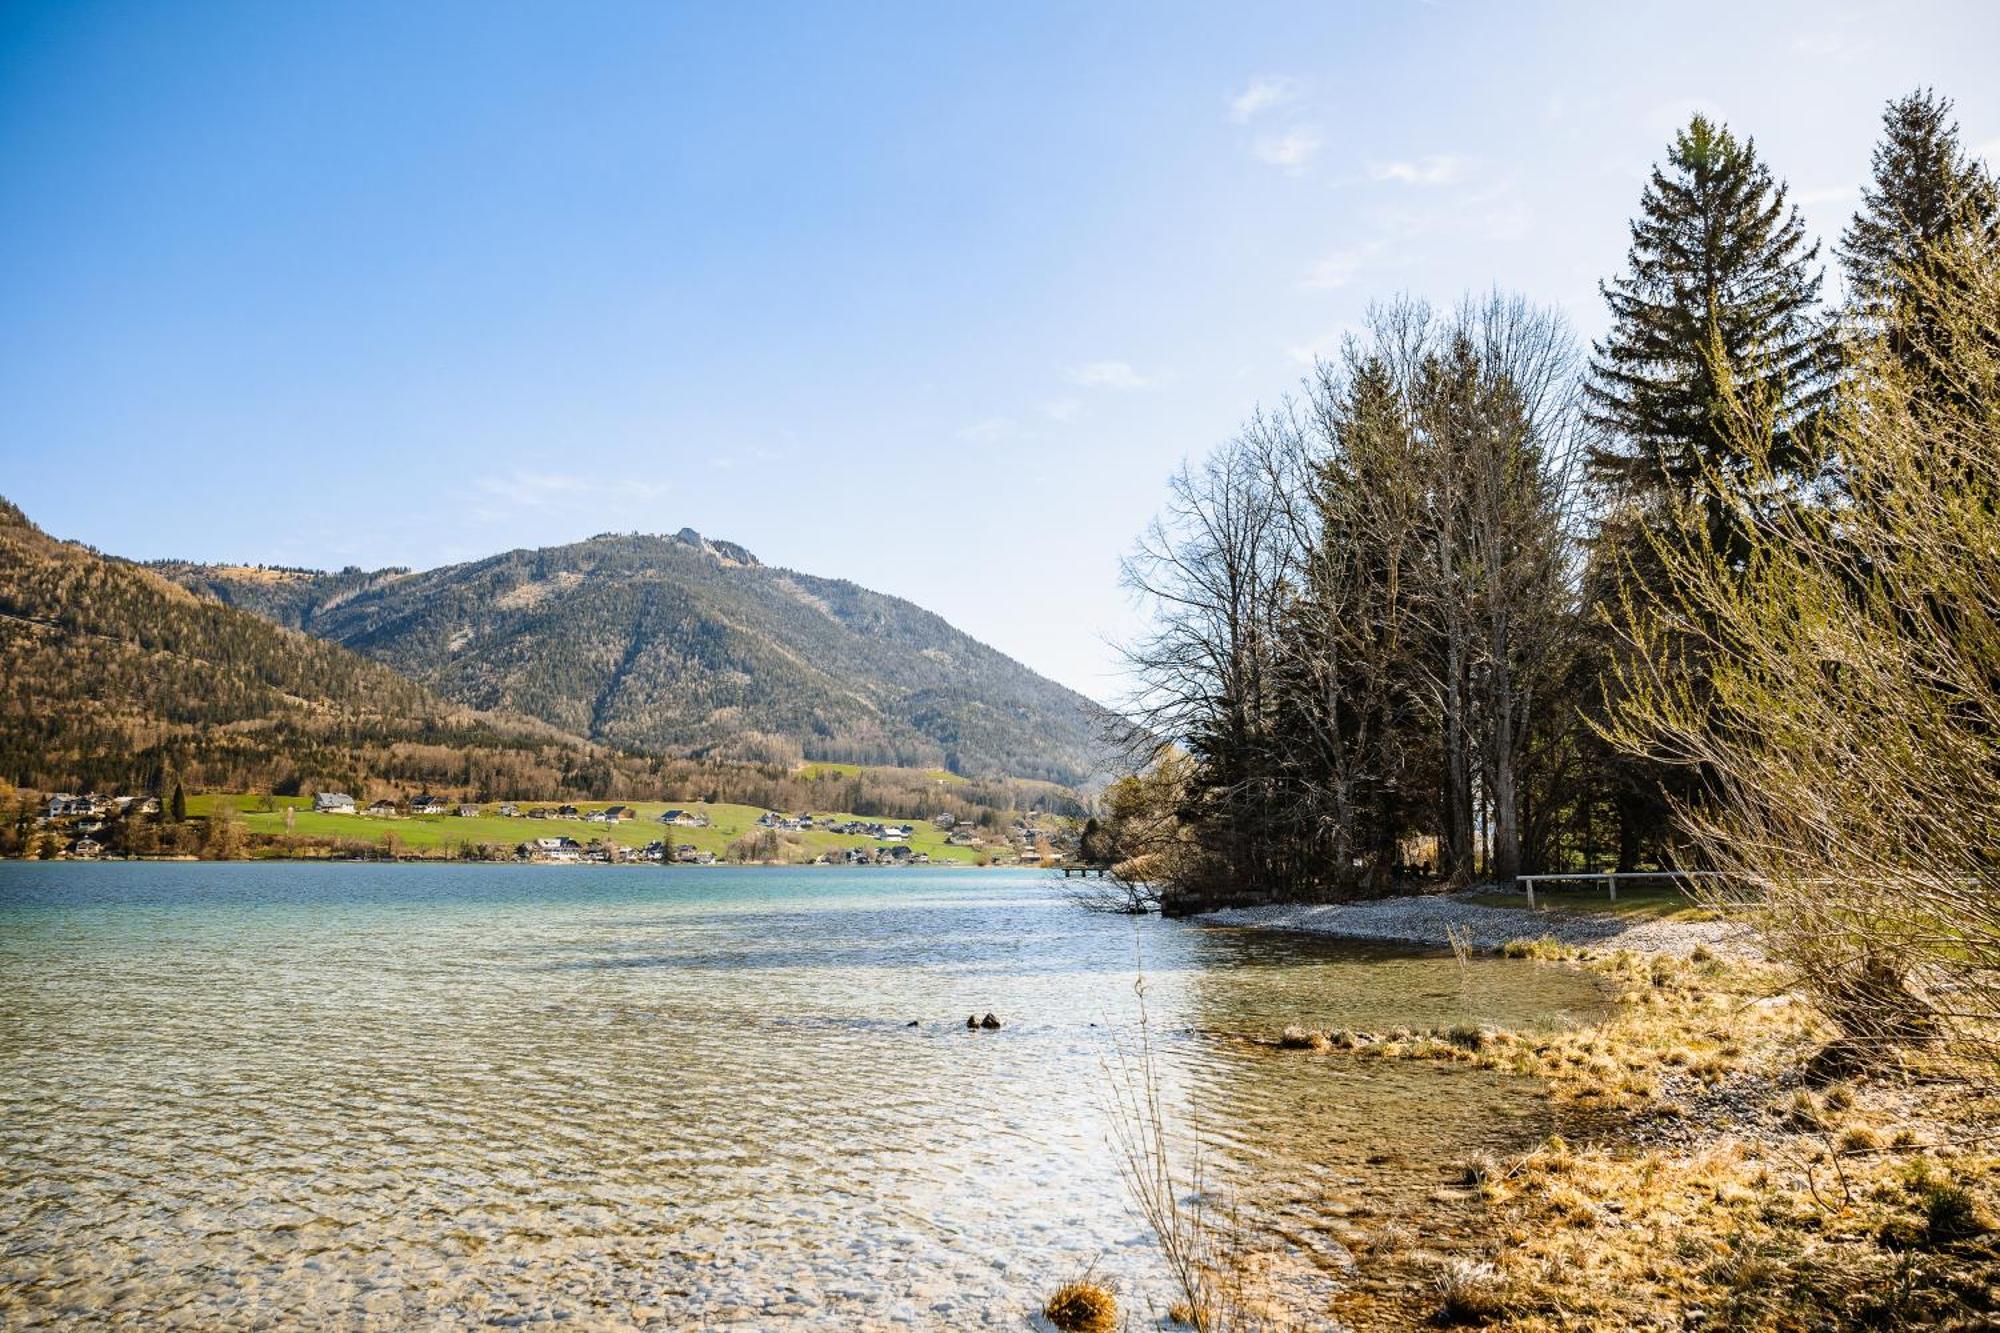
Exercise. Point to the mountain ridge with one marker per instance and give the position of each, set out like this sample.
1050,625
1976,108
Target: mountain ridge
686,645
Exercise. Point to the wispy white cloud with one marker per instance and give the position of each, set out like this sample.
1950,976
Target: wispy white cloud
1061,409
1107,375
987,430
1265,92
1339,268
1836,40
1435,169
1290,151
502,495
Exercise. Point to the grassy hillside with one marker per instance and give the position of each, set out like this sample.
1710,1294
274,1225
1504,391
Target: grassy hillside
689,647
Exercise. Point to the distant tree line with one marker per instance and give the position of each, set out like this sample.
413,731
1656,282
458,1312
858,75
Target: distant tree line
1436,616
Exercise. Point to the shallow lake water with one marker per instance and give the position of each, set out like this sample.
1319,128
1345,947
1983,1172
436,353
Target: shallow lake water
271,1095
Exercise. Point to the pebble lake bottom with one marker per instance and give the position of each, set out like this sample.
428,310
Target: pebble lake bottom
293,1095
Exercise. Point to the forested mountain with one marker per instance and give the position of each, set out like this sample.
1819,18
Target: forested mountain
685,646
118,679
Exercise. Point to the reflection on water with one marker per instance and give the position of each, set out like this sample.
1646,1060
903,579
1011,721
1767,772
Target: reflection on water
382,1096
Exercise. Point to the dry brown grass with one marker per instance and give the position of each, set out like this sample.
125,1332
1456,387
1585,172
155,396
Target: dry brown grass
1082,1306
1704,1022
1784,1210
1712,1179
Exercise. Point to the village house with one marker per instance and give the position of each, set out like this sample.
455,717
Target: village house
618,814
86,847
428,805
566,812
468,812
552,849
382,809
507,810
333,803
945,820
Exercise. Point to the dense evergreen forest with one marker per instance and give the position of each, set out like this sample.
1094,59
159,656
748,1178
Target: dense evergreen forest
1471,602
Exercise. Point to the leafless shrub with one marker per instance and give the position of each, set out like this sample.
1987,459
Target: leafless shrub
1850,733
1114,894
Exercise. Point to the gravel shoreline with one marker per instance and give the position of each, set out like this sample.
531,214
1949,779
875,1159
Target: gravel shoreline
1425,919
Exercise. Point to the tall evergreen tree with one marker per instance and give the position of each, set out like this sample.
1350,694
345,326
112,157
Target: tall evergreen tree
1720,290
1718,307
1926,195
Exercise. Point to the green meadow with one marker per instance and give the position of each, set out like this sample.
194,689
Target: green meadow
425,833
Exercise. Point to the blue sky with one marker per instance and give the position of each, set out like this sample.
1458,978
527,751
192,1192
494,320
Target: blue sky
932,297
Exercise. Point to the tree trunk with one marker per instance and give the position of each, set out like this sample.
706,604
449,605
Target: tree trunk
1506,817
1628,834
1459,850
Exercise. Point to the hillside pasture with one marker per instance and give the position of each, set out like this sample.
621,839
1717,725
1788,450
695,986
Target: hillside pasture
445,833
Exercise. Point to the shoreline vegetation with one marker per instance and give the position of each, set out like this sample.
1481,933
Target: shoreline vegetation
1709,1168
1716,598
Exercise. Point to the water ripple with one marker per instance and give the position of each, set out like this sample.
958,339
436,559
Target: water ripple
382,1097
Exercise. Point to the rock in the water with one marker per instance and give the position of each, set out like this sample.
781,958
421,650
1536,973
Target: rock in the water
989,1022
912,1023
971,1022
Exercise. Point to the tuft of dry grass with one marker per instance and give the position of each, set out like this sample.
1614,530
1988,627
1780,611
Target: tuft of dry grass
1547,949
1297,1038
1469,1292
1082,1306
